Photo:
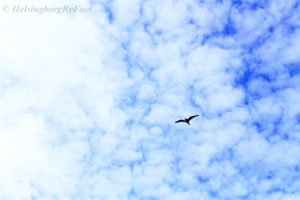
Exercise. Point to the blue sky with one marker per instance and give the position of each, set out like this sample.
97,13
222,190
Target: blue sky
88,100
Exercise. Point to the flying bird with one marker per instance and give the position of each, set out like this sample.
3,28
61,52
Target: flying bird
187,120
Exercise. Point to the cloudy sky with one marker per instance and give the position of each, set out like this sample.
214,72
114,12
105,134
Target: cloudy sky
90,90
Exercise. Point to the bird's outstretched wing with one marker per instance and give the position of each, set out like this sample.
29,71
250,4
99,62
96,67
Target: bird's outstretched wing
191,117
179,121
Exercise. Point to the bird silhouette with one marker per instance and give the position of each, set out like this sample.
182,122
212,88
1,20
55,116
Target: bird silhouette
187,120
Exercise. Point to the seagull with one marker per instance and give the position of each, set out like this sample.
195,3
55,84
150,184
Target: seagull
187,120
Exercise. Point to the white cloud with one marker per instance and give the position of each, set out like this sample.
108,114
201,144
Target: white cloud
88,105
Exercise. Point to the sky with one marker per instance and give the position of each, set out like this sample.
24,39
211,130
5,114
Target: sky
90,91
